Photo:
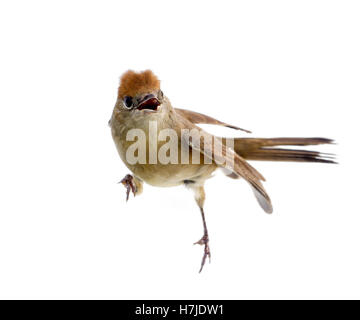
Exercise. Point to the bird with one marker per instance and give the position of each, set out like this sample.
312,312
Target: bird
141,115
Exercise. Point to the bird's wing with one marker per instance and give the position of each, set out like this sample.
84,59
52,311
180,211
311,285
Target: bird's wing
196,117
214,149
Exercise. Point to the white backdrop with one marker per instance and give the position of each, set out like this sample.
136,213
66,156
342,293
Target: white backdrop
278,68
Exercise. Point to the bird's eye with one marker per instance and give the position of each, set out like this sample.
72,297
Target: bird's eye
128,102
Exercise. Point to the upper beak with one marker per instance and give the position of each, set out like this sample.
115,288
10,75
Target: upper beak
149,102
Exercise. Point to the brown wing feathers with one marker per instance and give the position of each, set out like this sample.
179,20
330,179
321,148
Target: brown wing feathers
240,167
262,149
255,149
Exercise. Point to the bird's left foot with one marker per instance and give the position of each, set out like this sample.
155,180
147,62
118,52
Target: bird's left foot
129,184
204,241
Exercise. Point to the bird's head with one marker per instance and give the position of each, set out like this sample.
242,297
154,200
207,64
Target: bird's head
139,92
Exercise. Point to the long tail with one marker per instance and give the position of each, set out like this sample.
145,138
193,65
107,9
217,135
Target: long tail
266,149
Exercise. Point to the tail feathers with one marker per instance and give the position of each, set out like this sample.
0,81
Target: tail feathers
277,154
262,149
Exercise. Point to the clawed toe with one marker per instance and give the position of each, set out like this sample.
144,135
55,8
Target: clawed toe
204,241
129,184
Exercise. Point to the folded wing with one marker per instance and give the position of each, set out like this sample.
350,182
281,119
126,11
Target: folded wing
213,148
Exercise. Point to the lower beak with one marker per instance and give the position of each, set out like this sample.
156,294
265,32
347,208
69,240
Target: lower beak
149,103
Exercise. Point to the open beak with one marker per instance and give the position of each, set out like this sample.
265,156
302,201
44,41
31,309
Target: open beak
149,102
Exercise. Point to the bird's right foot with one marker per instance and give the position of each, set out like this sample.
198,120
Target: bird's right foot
129,184
205,242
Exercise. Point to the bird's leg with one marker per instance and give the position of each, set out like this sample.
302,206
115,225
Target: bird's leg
131,184
200,198
204,241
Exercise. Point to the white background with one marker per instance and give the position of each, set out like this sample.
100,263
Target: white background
278,68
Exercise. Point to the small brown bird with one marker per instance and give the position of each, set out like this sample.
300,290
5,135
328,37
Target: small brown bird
159,161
